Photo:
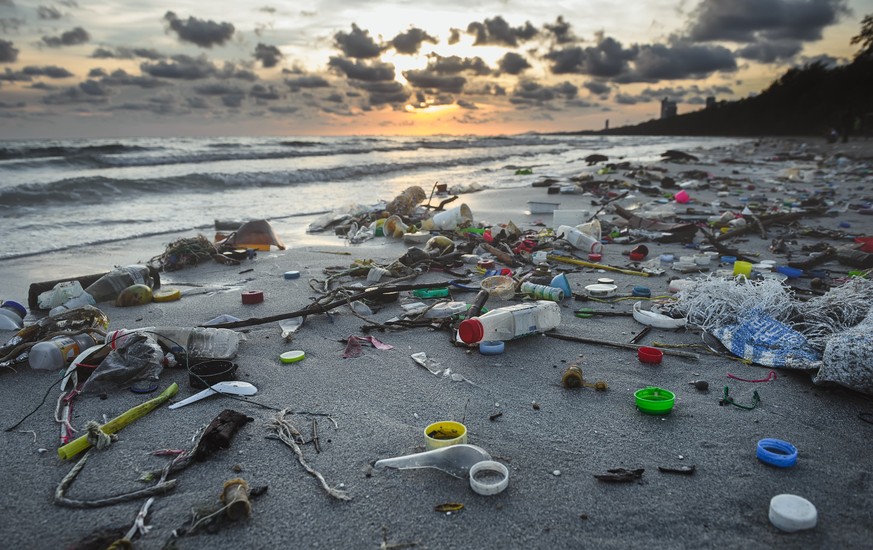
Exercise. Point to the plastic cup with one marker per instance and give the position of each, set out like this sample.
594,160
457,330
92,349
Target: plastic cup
450,219
742,268
443,434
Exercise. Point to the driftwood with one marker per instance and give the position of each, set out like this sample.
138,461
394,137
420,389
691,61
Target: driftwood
219,433
598,342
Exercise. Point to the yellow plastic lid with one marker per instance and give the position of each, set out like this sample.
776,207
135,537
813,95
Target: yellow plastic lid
166,295
292,356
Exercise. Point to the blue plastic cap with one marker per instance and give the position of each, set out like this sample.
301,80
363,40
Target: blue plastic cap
16,307
642,291
776,452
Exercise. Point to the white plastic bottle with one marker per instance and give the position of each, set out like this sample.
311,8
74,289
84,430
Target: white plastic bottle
506,323
58,352
198,342
12,315
109,286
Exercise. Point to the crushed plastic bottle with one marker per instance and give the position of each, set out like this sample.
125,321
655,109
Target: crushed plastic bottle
59,352
108,287
196,343
12,315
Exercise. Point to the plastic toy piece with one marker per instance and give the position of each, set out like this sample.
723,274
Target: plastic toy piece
232,387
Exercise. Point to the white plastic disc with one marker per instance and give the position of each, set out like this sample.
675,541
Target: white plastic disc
792,513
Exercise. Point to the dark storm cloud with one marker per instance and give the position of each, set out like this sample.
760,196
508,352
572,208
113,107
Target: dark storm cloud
433,81
69,38
770,51
409,42
386,92
182,67
265,93
607,59
311,81
48,12
455,65
269,56
50,71
373,71
197,31
751,20
682,60
597,88
513,63
530,92
498,31
94,88
127,53
8,52
561,31
357,44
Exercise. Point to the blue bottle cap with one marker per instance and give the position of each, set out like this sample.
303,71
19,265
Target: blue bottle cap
641,291
776,452
16,307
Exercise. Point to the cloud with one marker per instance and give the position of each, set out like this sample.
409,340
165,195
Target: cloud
513,63
753,20
409,42
682,60
264,93
283,110
430,80
625,99
382,93
50,71
197,103
311,81
607,59
597,87
357,44
8,52
454,64
767,51
372,71
72,95
122,52
197,31
185,67
269,56
94,88
497,31
454,36
10,24
233,101
218,88
70,38
48,12
120,77
529,92
561,31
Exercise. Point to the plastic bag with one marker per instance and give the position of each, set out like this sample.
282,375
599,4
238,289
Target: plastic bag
139,358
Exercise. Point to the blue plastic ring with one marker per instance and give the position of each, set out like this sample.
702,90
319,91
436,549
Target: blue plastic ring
642,292
491,347
776,452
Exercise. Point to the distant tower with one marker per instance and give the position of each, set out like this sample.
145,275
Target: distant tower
668,108
606,126
710,102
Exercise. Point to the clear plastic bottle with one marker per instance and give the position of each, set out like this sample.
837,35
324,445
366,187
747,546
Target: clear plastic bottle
109,286
198,342
506,323
12,315
58,352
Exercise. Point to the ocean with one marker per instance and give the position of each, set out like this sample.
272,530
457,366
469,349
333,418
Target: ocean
63,194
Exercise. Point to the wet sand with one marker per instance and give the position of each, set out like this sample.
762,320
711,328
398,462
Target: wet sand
552,440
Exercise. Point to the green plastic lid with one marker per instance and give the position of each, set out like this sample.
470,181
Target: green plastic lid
292,356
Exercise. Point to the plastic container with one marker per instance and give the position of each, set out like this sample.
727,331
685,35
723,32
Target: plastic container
109,286
197,342
58,352
511,322
579,239
742,268
443,434
542,292
12,315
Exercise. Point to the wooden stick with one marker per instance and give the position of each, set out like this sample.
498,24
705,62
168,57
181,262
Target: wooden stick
594,341
583,263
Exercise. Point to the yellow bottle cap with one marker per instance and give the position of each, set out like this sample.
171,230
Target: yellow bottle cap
166,295
292,356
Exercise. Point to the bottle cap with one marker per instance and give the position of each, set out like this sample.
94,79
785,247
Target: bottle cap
292,356
776,452
488,488
16,307
292,275
252,297
792,513
491,347
471,331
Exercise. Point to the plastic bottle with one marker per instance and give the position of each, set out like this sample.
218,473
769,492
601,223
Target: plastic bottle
109,286
12,315
198,342
511,322
58,352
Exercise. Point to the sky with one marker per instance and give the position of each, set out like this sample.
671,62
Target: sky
125,68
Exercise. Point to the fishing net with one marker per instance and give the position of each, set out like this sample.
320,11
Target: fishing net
184,252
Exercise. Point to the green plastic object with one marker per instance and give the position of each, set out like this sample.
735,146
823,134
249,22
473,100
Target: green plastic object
655,400
431,293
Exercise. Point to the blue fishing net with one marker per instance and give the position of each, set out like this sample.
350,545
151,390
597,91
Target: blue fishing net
762,340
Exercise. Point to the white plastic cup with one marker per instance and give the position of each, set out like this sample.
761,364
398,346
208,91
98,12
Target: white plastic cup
580,240
450,219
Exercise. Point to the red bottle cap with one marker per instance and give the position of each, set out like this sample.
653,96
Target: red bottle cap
471,331
252,297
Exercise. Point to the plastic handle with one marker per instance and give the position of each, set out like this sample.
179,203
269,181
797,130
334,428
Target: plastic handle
196,397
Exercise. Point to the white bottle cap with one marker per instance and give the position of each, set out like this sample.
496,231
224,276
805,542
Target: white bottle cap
792,513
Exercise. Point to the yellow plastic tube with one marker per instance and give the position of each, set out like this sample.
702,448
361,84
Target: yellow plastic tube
80,444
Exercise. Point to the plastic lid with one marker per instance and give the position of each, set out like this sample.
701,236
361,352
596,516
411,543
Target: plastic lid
491,347
16,307
792,513
471,331
488,487
292,274
166,295
292,356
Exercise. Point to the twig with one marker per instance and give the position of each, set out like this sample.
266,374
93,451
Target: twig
621,345
315,436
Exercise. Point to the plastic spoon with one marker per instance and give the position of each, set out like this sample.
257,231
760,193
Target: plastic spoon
233,387
455,460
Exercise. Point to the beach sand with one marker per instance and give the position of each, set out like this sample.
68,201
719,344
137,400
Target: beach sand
553,440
